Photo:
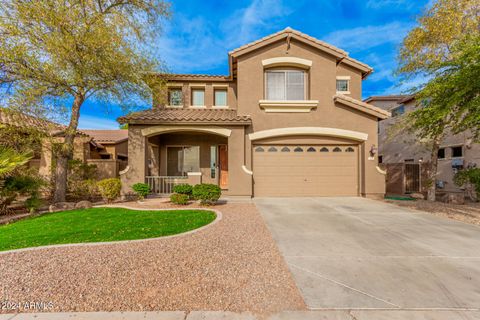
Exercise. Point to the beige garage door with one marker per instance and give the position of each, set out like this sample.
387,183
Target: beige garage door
313,170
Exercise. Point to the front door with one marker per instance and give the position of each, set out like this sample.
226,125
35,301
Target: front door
223,165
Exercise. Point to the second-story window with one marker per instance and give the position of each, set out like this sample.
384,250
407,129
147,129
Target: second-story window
220,97
285,85
343,86
175,97
198,97
398,111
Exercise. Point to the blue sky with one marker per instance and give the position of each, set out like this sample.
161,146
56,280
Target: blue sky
200,33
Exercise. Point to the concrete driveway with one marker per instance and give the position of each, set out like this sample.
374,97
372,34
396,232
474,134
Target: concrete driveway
361,254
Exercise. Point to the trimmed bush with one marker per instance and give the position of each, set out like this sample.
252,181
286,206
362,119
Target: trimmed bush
179,198
206,193
183,188
141,189
110,188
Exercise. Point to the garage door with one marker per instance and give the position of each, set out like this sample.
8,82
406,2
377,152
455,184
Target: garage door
313,170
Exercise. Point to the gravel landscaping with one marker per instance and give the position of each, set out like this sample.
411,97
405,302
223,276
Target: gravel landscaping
233,265
468,213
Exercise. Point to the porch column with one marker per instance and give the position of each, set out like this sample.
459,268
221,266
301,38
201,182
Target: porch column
240,183
136,170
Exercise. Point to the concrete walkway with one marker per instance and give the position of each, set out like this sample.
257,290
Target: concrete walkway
219,315
359,254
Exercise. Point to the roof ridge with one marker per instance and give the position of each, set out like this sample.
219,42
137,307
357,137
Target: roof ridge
290,30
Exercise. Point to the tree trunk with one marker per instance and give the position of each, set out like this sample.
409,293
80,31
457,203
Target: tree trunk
432,188
65,151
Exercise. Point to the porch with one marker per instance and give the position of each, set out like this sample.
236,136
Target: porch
186,157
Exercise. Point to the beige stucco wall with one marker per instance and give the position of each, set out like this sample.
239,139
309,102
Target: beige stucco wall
322,87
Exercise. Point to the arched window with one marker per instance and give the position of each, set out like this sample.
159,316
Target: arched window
285,149
298,149
311,149
324,149
337,149
285,84
272,149
259,149
349,149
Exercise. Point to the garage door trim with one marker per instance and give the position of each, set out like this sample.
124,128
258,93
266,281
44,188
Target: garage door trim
314,131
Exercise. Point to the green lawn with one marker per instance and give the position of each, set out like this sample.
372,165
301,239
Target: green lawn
98,225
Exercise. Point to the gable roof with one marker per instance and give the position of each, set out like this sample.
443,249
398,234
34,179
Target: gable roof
108,136
362,106
197,116
341,55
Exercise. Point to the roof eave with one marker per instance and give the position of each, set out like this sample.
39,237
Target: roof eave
357,105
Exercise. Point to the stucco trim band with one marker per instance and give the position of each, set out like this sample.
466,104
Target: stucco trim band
288,105
168,129
315,131
287,62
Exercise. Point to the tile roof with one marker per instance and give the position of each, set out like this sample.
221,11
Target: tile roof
298,33
108,136
197,116
362,106
20,119
179,76
392,97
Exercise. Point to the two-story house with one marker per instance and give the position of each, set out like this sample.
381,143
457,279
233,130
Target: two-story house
457,151
287,121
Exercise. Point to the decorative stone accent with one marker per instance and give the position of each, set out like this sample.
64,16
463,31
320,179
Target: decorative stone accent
454,198
83,204
417,196
61,206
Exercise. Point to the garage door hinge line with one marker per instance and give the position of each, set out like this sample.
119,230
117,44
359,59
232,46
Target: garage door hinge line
345,286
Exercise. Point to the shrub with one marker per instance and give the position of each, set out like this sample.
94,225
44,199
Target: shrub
110,188
183,188
206,193
470,179
26,184
179,198
141,189
83,190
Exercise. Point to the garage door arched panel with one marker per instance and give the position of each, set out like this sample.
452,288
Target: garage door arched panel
305,170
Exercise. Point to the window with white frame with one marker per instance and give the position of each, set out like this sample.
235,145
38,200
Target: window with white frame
285,85
343,84
198,97
220,97
182,159
175,97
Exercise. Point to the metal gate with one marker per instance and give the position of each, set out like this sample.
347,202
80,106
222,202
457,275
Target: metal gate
412,177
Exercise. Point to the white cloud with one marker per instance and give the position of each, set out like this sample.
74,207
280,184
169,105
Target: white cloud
91,122
363,38
192,44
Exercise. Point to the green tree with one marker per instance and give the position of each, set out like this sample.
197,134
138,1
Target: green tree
11,160
55,52
425,52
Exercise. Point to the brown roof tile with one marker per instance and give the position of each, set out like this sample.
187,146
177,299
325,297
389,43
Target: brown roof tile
108,136
198,116
20,119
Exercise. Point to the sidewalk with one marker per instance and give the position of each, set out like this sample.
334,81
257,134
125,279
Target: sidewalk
220,315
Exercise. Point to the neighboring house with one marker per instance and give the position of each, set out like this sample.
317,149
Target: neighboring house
106,150
456,151
111,154
287,121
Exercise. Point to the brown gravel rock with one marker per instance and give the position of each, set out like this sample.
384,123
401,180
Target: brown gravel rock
233,265
468,212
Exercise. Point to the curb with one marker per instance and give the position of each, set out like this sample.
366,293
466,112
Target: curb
84,244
